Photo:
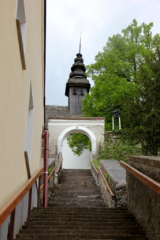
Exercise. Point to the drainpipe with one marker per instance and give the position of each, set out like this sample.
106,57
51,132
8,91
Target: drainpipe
45,177
45,22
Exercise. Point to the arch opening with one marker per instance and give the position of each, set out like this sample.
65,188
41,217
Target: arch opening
76,129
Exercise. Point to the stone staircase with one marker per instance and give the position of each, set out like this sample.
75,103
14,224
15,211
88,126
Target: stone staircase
78,212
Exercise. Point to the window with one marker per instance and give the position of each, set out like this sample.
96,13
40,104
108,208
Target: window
74,91
21,28
81,92
29,127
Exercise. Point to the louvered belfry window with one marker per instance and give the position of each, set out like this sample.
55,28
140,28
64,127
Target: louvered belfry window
81,92
74,91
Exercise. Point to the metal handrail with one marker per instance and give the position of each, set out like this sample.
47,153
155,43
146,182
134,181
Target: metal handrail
93,167
10,207
155,186
48,178
108,187
7,209
59,166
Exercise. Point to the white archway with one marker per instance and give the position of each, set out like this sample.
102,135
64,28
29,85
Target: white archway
77,129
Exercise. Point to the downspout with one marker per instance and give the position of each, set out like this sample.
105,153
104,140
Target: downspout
45,176
45,21
46,133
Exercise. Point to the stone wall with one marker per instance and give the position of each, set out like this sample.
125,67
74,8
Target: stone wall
110,203
116,178
55,111
143,202
95,176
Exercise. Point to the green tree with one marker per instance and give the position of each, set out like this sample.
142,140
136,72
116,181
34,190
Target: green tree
142,113
78,142
115,71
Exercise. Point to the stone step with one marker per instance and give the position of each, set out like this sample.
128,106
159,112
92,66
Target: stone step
82,191
82,209
75,205
77,180
93,196
76,171
92,224
80,231
79,216
84,214
81,236
78,200
73,218
78,225
77,186
84,227
74,192
79,213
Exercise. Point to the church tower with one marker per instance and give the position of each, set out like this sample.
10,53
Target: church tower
77,86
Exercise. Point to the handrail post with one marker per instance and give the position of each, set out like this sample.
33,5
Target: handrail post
29,208
57,174
11,227
45,178
38,193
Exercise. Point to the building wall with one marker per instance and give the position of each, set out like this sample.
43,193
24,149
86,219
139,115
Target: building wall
15,93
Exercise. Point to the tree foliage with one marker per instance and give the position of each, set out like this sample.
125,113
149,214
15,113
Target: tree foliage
142,113
78,142
127,74
116,70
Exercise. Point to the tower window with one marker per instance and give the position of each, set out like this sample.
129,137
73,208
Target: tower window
74,91
81,92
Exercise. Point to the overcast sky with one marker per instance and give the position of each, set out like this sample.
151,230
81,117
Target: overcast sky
97,20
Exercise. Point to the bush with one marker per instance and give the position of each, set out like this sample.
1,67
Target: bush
117,147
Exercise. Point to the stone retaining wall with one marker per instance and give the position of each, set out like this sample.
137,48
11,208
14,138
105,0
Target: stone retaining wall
116,178
143,202
95,176
110,203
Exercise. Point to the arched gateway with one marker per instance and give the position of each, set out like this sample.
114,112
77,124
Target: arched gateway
60,127
77,129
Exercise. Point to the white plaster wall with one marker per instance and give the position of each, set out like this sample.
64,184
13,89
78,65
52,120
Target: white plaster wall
4,229
57,126
71,161
21,212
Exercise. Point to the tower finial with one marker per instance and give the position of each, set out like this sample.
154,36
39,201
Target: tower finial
80,44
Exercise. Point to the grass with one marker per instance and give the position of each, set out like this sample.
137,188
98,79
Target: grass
50,170
118,147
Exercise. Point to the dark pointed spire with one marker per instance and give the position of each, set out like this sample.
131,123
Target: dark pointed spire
77,76
80,45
